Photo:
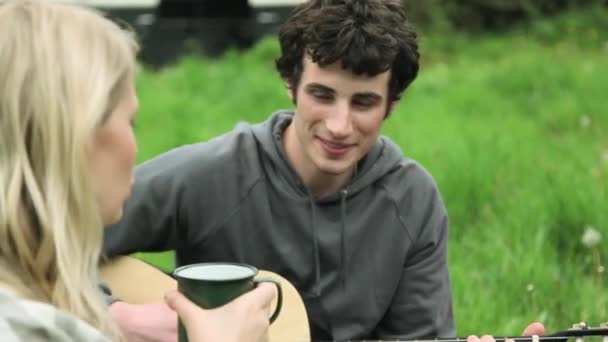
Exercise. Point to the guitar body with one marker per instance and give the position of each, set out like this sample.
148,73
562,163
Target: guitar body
137,282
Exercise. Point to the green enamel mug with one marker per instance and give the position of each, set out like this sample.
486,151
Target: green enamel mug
213,284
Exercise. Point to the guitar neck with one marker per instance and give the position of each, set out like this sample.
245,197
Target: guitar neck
557,337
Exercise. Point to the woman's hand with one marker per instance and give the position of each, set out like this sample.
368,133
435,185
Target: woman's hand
244,319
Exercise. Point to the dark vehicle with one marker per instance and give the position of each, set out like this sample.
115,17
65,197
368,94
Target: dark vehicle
171,28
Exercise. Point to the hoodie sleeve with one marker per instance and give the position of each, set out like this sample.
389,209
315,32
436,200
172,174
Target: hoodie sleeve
422,304
151,216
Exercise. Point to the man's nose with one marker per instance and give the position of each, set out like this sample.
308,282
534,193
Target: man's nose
339,122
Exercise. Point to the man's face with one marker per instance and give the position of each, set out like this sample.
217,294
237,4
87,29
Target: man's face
338,117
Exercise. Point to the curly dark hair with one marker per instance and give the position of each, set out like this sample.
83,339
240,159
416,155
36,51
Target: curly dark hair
367,36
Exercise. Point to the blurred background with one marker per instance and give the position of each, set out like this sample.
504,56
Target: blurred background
509,113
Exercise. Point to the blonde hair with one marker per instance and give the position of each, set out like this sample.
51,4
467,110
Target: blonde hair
62,70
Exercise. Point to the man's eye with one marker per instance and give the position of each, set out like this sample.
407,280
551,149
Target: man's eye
322,96
362,103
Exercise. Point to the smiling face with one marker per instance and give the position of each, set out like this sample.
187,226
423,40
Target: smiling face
337,121
112,156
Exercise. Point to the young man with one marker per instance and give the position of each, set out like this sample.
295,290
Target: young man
316,195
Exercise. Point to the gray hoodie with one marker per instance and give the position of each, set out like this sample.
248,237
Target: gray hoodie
369,261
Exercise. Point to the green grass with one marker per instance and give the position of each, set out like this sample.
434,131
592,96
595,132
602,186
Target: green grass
514,127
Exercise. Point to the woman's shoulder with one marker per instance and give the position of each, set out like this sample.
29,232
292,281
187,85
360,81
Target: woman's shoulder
26,320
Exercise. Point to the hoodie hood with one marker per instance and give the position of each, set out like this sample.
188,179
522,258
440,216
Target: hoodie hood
383,157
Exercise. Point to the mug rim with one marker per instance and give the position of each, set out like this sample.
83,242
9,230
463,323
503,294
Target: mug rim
184,267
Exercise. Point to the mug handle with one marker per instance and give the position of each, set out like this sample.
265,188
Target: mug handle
277,310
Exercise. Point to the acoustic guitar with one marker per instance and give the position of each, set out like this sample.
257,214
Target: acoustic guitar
137,282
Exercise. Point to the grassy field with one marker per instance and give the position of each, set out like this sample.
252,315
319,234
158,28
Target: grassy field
513,126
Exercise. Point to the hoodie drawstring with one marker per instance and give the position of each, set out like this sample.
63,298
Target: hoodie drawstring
342,238
315,249
315,244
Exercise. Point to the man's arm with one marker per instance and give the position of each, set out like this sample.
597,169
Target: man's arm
150,220
154,322
422,305
148,224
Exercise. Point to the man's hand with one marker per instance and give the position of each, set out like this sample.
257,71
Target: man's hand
145,322
243,319
535,328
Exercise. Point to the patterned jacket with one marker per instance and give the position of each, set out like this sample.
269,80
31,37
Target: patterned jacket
28,321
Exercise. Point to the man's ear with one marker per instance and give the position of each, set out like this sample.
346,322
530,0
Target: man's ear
290,92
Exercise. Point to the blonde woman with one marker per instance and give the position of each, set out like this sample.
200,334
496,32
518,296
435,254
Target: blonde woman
67,151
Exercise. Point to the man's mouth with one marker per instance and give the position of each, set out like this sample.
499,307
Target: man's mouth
335,148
